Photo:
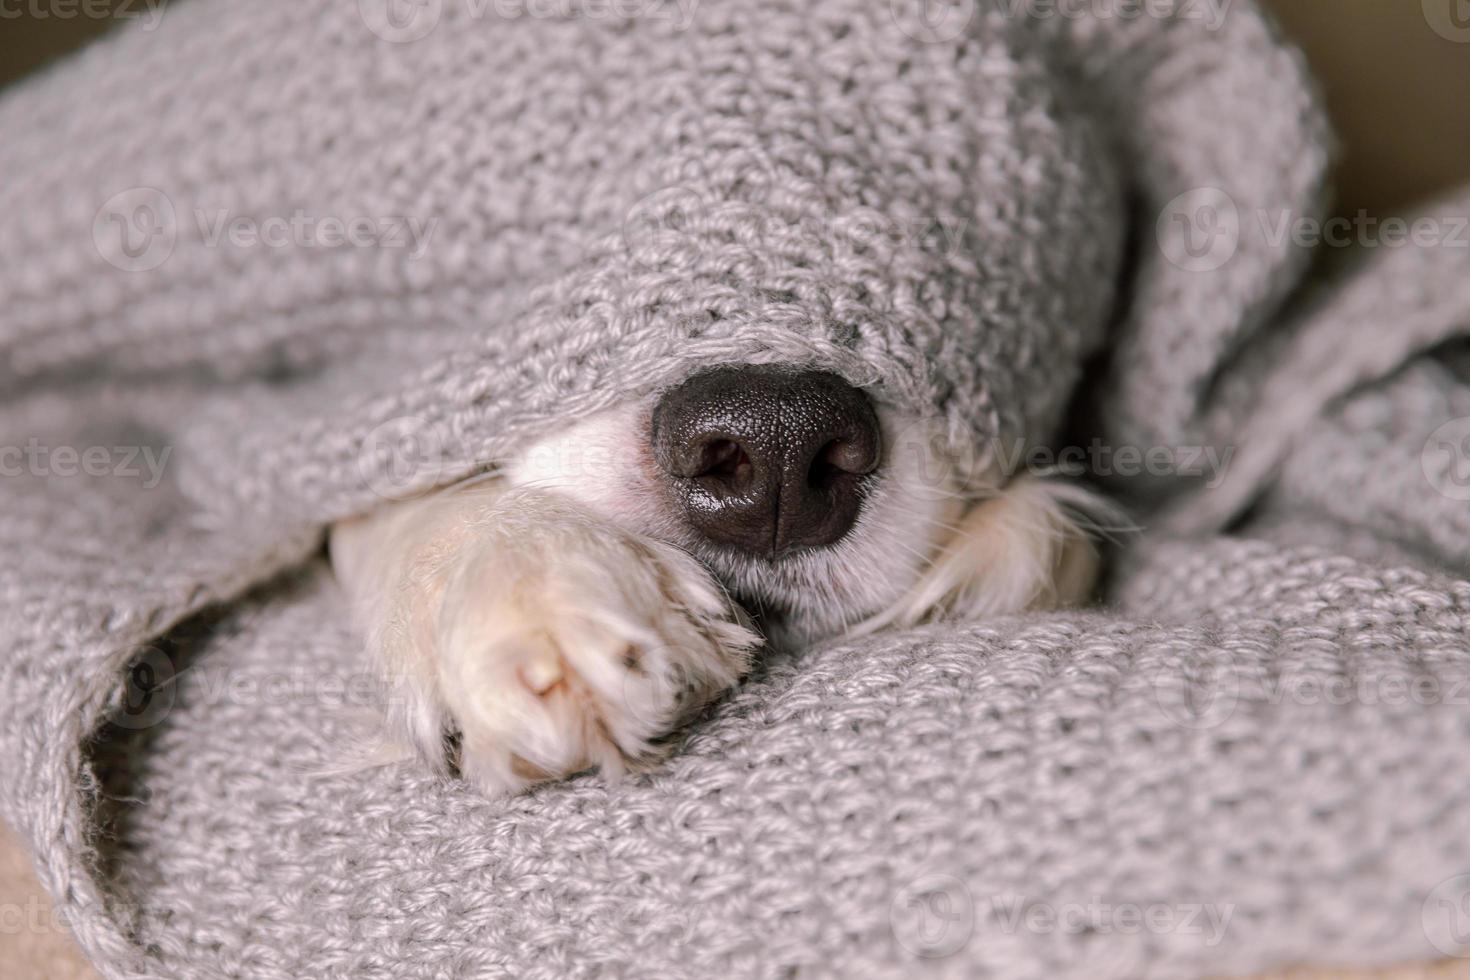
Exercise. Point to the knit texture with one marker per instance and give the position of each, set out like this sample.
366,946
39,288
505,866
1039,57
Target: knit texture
958,211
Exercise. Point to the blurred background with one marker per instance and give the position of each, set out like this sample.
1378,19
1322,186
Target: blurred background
1396,74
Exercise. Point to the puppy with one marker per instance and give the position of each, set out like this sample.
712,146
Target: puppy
571,610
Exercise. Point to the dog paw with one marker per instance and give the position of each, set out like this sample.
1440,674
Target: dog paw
562,643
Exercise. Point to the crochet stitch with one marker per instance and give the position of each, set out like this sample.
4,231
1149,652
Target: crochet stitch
323,253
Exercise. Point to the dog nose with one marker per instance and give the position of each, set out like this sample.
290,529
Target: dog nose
765,460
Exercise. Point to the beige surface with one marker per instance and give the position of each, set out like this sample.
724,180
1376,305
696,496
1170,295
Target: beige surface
1396,90
33,945
1447,970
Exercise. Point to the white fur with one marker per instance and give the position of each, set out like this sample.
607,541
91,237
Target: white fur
551,640
562,616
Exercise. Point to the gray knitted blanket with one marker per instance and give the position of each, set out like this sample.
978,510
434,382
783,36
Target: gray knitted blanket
270,262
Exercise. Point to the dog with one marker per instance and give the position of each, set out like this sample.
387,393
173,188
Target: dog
572,609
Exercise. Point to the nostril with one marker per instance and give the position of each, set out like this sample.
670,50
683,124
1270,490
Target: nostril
726,462
851,456
832,463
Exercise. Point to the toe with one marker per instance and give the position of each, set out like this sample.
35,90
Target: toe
543,671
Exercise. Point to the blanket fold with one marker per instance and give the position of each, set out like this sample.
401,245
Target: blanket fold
325,255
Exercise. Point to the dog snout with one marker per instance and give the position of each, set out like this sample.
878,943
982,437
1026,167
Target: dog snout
767,461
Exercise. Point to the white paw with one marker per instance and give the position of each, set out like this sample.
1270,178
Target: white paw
558,643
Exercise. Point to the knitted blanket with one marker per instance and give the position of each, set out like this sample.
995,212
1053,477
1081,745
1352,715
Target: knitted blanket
267,264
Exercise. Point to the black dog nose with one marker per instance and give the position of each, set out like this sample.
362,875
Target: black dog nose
767,460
